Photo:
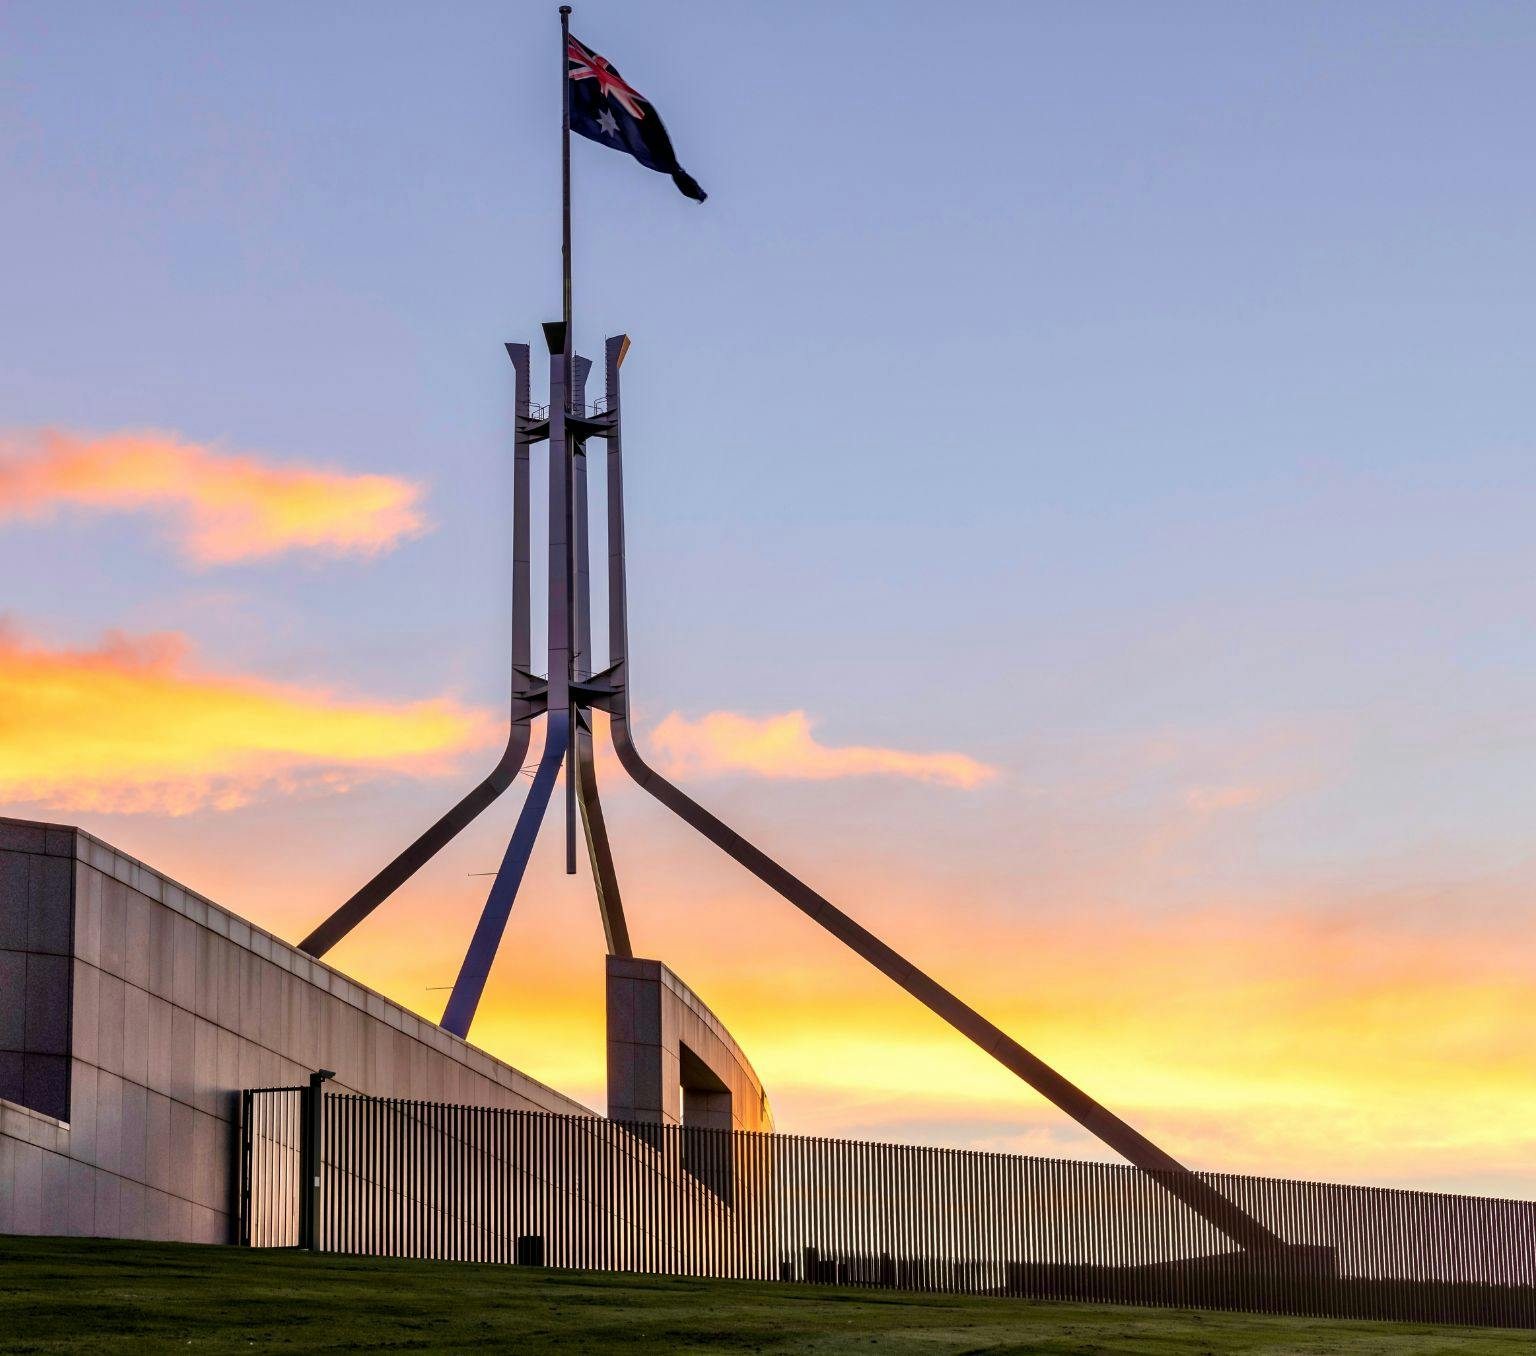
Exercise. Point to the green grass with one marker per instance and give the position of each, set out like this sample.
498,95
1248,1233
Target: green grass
70,1295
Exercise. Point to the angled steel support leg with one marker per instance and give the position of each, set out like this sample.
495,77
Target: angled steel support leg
1172,1175
433,841
1135,1147
604,877
526,702
470,984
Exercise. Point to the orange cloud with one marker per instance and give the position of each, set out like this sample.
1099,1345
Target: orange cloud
133,726
783,746
230,507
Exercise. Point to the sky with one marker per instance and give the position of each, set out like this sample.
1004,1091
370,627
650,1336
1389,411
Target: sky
1080,486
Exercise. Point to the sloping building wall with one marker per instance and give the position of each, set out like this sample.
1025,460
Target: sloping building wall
132,1013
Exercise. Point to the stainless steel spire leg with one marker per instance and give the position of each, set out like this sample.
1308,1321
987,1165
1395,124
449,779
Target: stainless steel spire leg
605,878
1172,1175
476,966
526,702
433,841
576,405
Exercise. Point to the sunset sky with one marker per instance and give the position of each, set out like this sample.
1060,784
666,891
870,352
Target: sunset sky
1081,492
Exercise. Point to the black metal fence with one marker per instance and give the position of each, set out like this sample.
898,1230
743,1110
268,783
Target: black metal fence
430,1180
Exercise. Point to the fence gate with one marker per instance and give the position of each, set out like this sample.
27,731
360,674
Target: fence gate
272,1163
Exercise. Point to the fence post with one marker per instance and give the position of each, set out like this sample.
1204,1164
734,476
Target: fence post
311,1101
246,1099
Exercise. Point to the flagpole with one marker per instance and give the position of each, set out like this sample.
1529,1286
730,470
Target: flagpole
565,182
570,373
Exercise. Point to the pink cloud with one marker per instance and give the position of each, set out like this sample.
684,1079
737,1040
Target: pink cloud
784,746
226,506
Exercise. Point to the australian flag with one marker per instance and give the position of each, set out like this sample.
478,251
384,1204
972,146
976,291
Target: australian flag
606,109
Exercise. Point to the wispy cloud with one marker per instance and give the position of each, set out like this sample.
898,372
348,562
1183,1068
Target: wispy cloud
226,506
784,746
1211,800
134,725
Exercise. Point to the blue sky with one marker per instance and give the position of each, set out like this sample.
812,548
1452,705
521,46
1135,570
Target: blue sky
1135,398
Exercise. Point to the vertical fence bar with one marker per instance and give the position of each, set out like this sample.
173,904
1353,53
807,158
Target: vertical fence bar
245,1168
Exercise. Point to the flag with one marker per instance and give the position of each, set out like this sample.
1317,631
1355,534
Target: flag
606,109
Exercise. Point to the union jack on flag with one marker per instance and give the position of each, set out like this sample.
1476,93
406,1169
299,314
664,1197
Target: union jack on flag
608,109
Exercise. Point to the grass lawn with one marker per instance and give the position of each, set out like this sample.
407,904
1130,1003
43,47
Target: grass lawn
67,1295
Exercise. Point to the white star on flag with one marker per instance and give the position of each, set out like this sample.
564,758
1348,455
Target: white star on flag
608,123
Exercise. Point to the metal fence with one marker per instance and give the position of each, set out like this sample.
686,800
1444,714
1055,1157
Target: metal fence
431,1180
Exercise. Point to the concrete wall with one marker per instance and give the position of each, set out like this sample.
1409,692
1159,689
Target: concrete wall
671,1060
132,1013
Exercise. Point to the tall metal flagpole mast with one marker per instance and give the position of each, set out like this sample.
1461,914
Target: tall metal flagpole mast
565,173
